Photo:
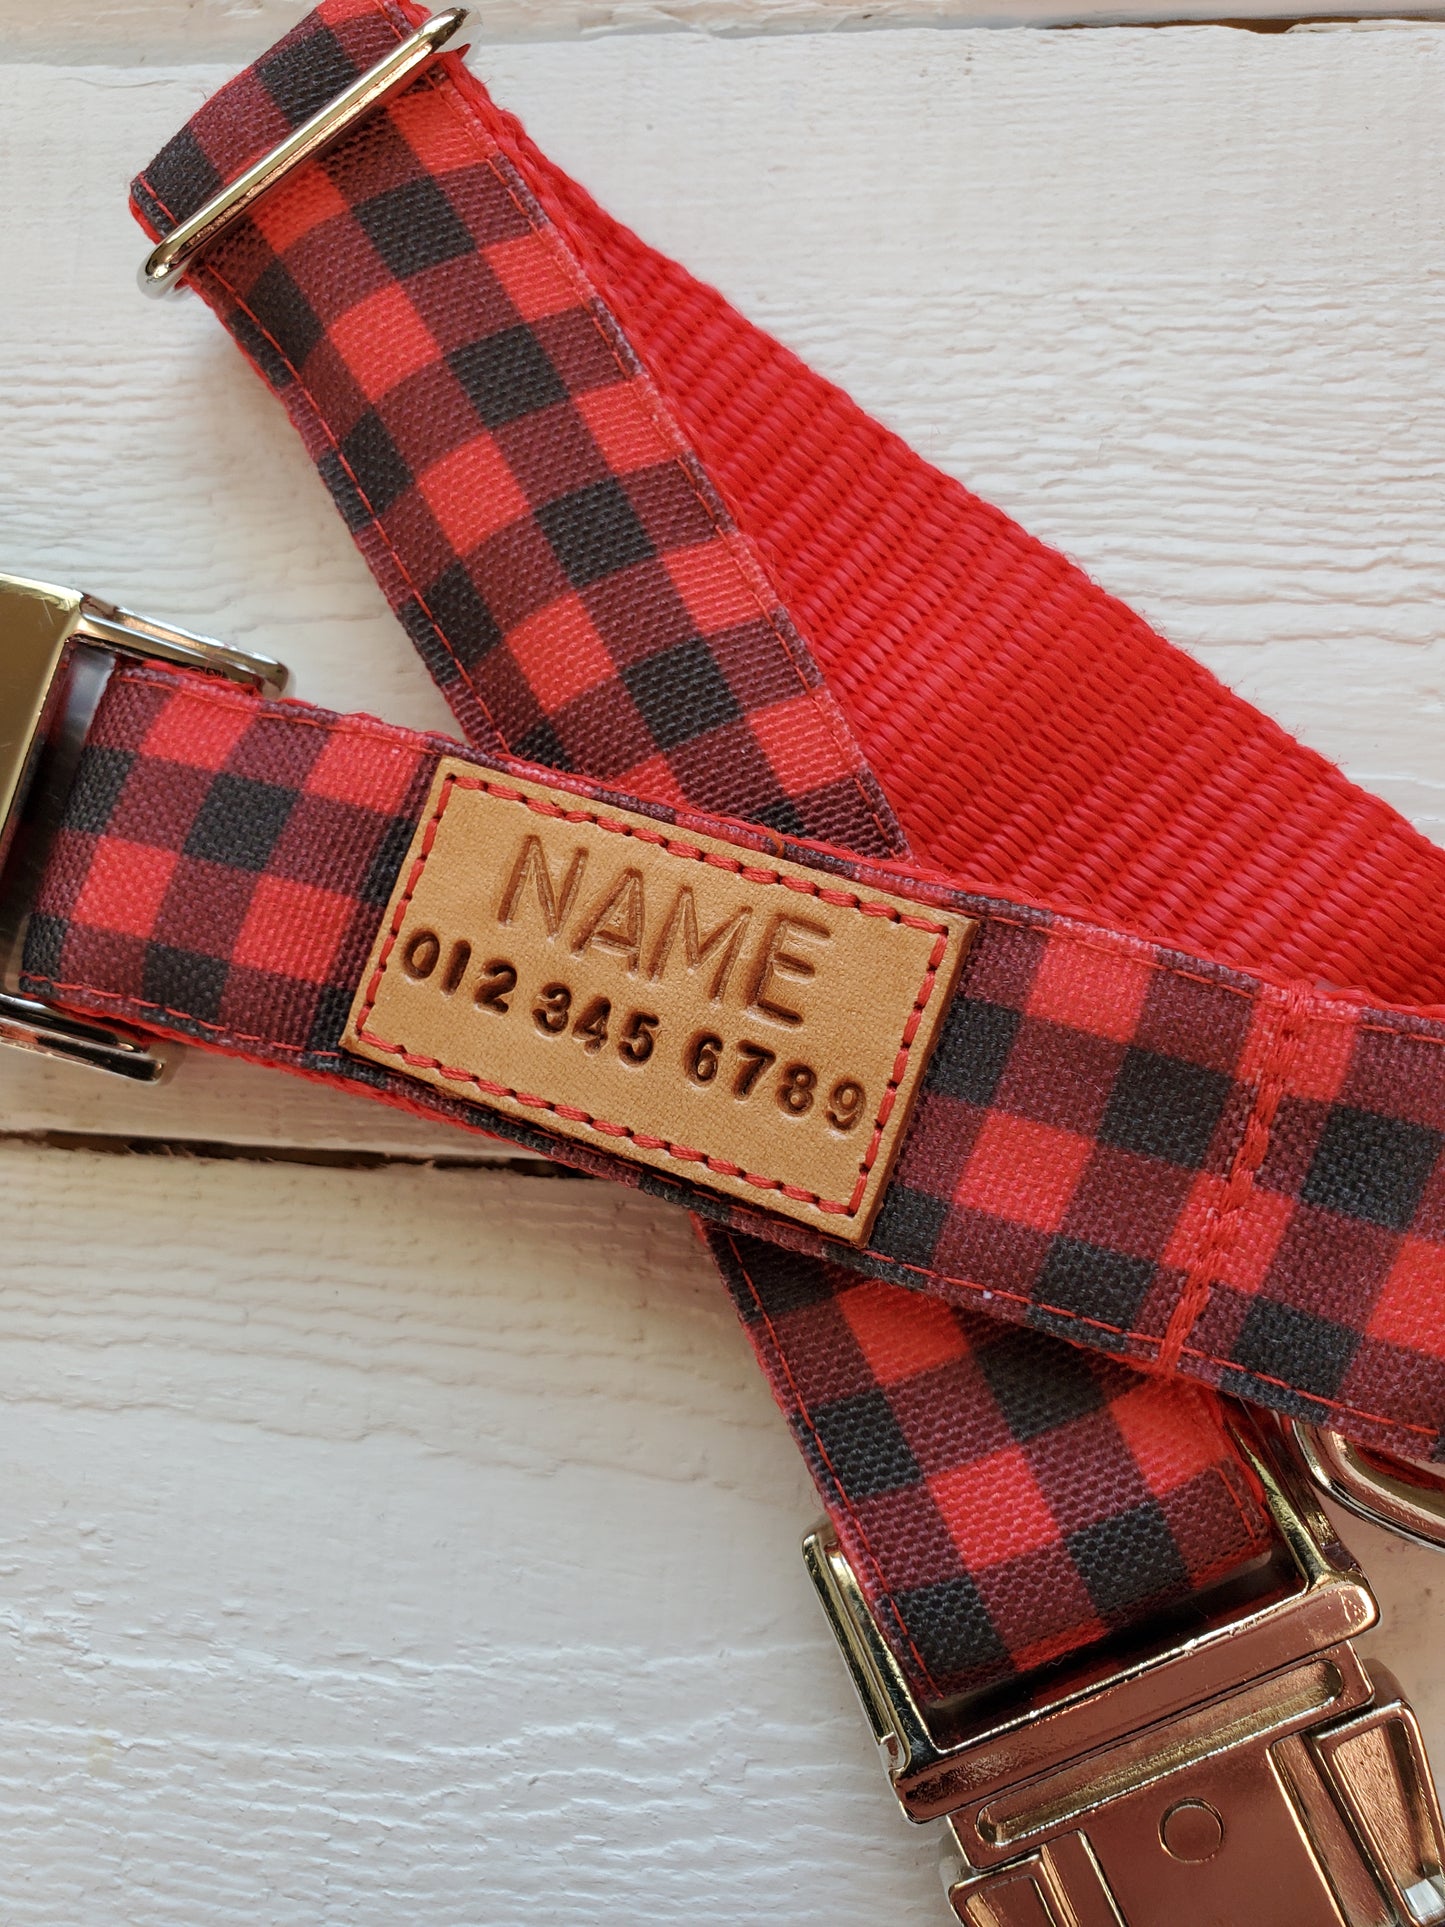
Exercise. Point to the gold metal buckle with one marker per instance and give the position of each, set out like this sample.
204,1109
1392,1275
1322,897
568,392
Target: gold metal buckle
1238,1768
57,651
167,265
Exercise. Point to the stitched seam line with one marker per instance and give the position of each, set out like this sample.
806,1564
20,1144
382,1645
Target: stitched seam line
687,852
1226,1218
449,96
223,1035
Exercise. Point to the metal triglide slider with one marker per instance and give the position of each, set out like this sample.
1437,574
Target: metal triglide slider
1242,1770
165,268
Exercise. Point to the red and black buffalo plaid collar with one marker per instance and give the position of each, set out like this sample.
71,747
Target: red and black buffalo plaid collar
608,511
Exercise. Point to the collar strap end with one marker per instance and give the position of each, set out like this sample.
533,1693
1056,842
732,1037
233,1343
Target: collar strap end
58,647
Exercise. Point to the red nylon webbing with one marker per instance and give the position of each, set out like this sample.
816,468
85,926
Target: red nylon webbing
1035,734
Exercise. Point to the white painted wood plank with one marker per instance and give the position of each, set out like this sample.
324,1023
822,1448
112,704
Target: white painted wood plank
217,1101
159,32
405,1546
422,1544
1168,296
412,1545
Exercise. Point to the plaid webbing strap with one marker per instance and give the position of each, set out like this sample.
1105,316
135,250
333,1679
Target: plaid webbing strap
222,871
1175,1147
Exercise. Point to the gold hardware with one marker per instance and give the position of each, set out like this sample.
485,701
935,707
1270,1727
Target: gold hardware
1236,1766
132,635
167,265
57,651
28,1024
1390,1492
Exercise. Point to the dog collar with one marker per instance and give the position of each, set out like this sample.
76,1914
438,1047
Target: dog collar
607,511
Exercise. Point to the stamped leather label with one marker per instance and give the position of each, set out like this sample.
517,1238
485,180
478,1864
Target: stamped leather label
752,1025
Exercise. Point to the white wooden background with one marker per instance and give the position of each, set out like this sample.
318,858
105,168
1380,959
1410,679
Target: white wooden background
385,1539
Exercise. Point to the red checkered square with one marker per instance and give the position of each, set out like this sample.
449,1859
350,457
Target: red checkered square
1397,1070
906,1538
200,917
657,780
1097,990
623,427
296,207
527,268
795,738
901,1334
1169,1455
255,125
994,1509
560,653
715,598
1198,1221
472,494
374,770
1404,1312
196,730
1323,1064
1245,1259
443,143
382,340
1023,1171
293,929
124,887
1127,1203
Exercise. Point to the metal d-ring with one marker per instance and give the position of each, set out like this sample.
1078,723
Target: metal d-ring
1403,1497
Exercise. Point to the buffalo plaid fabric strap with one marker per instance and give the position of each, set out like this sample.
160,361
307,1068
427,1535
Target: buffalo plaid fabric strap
1170,1145
221,874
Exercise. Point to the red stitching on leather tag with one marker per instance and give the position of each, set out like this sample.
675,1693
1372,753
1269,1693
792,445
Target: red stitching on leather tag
759,1025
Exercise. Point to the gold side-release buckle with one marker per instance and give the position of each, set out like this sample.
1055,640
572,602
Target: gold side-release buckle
1242,1770
57,650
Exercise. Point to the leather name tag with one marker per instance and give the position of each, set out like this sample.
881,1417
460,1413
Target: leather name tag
754,1026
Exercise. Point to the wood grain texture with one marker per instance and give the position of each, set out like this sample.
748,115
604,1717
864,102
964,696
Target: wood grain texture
419,1545
412,1544
156,33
